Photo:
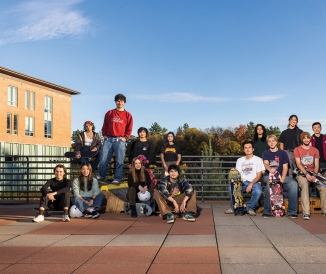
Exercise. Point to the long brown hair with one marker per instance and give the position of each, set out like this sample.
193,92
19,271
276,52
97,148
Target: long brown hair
135,177
89,177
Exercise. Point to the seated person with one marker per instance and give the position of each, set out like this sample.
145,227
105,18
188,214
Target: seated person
307,158
59,196
277,161
250,168
138,181
88,140
174,193
87,195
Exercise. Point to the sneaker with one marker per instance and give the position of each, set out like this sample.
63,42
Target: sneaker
170,218
293,216
115,182
306,217
265,216
88,215
229,211
66,218
251,213
95,214
38,218
324,214
189,217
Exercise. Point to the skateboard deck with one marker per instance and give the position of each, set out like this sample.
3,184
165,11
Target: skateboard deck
142,209
84,154
239,206
320,178
276,195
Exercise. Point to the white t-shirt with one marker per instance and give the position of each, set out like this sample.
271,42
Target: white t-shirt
249,168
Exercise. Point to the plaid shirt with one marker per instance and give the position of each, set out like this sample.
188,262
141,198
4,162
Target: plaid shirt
168,189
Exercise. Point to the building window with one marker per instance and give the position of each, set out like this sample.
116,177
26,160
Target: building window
32,100
9,123
29,126
26,99
15,127
29,100
48,117
12,96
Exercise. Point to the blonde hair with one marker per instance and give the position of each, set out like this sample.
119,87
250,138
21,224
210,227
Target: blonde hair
142,177
272,136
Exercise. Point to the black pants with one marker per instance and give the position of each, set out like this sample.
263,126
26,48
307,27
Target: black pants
132,194
61,201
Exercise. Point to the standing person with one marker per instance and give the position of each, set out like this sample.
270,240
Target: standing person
87,195
250,168
58,197
170,153
174,193
318,141
142,147
307,157
117,128
259,140
289,140
88,140
138,181
277,161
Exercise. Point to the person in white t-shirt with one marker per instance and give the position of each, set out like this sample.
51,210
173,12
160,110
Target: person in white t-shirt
250,168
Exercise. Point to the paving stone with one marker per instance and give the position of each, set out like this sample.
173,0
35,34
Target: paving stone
286,230
240,236
248,255
321,236
201,255
33,240
228,220
188,268
4,238
85,240
315,268
254,268
122,268
307,254
190,240
296,240
154,229
41,268
192,229
138,240
11,255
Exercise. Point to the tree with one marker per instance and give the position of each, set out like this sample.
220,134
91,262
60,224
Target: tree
157,129
250,130
273,130
74,137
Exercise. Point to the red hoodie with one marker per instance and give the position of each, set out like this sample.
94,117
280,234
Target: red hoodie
117,123
313,142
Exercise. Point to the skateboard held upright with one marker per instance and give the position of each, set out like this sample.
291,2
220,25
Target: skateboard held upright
276,195
239,206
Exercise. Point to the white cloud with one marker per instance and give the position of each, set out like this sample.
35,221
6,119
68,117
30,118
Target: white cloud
266,98
43,20
178,97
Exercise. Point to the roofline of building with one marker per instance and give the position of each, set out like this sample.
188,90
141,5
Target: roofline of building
37,81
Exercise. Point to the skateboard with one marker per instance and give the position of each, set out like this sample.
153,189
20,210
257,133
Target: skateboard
142,209
276,195
84,154
239,206
320,179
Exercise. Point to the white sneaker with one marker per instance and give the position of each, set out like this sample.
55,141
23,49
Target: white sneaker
66,218
38,218
115,182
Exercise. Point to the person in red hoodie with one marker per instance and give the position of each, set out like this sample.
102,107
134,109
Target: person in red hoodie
318,141
116,130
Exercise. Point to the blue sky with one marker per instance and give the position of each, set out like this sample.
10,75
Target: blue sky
205,63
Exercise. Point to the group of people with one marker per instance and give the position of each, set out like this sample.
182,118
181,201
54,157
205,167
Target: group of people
298,151
172,193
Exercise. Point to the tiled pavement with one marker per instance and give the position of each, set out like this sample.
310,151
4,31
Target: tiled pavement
115,243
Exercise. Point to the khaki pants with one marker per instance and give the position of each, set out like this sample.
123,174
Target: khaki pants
166,206
304,185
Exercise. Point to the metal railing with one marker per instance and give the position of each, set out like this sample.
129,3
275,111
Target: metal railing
21,177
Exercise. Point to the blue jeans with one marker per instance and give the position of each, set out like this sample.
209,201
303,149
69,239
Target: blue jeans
290,186
97,204
256,193
110,145
94,163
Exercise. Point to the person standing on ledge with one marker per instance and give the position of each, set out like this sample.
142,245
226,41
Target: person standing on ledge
116,130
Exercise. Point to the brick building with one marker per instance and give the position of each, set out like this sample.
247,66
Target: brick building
35,115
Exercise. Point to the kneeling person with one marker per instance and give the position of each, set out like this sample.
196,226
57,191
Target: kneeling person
250,168
58,197
175,194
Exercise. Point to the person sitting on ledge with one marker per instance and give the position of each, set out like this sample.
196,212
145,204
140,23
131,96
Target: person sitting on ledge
250,168
58,197
174,193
